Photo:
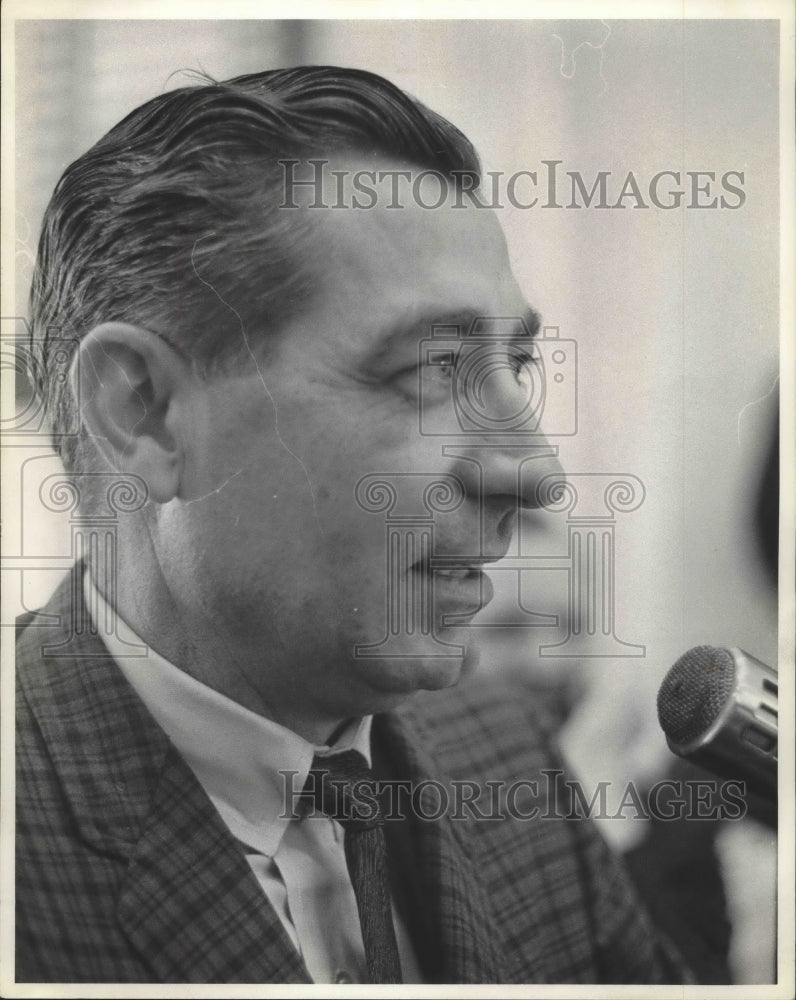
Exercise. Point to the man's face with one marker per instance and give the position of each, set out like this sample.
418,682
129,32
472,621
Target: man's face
321,481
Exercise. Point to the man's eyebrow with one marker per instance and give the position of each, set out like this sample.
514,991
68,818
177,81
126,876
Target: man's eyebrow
419,326
532,320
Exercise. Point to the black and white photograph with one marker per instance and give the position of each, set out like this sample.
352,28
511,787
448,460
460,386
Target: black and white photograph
398,499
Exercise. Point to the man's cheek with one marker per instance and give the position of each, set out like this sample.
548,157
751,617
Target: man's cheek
351,531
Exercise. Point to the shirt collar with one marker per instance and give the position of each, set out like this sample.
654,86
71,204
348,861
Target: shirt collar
246,763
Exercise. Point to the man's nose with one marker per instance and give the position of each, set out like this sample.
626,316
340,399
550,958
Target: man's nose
509,473
507,459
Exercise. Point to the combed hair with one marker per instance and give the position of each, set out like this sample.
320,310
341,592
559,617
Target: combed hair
171,220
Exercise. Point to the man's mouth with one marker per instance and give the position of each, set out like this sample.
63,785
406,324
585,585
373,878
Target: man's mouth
460,579
457,574
459,567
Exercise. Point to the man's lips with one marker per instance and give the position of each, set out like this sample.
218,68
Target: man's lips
458,566
460,577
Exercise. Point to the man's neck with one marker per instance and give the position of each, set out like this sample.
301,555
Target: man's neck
151,615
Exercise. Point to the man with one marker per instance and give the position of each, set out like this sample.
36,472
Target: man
300,566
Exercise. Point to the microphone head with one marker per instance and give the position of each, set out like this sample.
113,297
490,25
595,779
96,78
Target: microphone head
694,692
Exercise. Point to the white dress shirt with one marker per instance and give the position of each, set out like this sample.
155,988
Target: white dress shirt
237,756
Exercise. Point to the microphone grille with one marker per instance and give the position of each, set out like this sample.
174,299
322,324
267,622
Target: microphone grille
694,692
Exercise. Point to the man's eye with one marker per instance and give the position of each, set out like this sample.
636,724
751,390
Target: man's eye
522,359
442,362
524,363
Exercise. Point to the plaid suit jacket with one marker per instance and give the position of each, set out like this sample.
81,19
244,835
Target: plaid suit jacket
125,872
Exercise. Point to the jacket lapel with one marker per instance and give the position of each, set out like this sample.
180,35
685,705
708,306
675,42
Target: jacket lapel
188,901
458,915
530,870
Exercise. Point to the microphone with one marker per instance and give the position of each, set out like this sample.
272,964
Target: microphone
718,709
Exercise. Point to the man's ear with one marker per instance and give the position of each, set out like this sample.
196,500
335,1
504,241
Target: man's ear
129,382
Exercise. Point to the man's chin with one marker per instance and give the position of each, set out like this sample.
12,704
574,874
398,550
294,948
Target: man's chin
472,659
436,666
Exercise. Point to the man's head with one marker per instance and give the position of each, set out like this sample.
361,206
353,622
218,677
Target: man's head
264,370
172,220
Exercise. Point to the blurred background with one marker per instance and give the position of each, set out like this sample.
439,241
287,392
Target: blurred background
675,315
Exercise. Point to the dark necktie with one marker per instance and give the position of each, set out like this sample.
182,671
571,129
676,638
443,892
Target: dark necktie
341,786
